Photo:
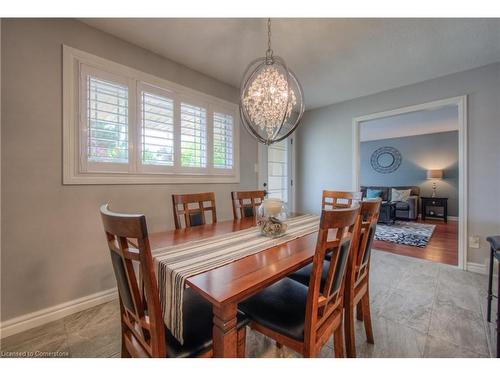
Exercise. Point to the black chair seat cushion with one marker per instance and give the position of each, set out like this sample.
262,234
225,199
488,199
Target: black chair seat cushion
304,274
280,307
197,324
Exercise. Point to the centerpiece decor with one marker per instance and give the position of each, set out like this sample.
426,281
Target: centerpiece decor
271,98
270,217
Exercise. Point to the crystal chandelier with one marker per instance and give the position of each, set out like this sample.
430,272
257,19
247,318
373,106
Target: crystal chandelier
271,98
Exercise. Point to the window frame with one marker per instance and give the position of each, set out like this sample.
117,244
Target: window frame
77,169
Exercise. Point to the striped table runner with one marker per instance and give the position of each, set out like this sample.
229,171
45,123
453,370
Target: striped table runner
175,264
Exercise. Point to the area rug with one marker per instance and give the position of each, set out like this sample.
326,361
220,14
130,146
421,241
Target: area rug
405,233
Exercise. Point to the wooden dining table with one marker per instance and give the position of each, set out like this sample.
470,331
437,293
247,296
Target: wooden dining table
224,287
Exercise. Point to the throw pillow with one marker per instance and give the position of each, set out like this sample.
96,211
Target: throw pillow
400,195
372,193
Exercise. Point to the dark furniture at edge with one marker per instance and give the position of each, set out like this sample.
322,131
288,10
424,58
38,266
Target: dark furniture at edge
494,254
428,202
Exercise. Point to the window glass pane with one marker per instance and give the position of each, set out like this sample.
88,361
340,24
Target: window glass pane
277,170
193,136
157,128
107,121
223,141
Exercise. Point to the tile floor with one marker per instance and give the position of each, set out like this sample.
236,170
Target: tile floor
420,309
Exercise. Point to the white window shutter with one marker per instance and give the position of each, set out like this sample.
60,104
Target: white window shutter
157,129
107,121
193,136
223,141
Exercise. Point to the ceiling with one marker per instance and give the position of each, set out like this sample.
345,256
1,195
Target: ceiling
444,119
334,59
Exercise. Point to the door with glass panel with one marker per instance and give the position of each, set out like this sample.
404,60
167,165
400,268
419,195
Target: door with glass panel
275,170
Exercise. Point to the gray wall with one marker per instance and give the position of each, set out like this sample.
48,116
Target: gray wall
324,144
53,245
419,153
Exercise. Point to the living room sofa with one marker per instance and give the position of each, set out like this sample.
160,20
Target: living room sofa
404,210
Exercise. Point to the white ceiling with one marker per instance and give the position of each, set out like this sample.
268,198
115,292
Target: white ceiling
334,59
414,123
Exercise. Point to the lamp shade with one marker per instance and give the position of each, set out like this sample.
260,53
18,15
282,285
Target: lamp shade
434,174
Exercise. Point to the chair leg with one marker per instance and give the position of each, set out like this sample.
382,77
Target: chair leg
338,342
350,341
125,352
242,337
359,312
367,318
490,286
498,313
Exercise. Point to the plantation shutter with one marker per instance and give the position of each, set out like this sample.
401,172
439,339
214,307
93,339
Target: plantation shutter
107,121
223,141
157,129
193,136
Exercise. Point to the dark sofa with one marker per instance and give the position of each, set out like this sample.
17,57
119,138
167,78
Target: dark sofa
404,210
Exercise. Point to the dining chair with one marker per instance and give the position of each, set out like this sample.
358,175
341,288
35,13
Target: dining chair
339,199
143,331
301,317
358,276
193,216
245,203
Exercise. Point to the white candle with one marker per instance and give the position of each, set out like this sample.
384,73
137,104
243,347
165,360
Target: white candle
273,206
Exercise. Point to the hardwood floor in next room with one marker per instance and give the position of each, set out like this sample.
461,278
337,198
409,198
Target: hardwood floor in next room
442,247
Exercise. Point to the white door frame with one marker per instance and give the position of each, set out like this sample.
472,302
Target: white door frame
261,158
461,103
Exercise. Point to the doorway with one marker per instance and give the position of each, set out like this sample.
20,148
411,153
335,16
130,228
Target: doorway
459,104
276,171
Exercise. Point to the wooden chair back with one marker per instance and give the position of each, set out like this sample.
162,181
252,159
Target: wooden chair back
369,214
245,203
325,302
193,216
143,331
339,199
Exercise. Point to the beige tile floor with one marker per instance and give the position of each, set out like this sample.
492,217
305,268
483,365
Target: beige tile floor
420,309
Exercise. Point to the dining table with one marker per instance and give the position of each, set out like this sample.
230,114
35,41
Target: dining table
224,287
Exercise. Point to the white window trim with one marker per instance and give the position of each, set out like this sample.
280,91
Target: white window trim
137,174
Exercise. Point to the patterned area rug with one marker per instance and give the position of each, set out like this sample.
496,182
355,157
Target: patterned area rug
405,233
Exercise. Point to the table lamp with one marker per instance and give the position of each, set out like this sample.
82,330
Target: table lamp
434,174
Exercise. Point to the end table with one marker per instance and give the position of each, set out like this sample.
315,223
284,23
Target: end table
434,202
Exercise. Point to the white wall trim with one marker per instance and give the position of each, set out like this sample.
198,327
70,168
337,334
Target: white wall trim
461,103
50,314
477,268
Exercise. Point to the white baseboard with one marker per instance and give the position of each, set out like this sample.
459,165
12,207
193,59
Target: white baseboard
477,268
40,317
453,218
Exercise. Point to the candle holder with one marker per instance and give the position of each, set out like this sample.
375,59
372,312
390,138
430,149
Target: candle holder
270,217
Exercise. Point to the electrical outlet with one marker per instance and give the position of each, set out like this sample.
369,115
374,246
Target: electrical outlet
474,242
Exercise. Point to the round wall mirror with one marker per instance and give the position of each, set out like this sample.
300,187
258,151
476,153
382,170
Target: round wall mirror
385,159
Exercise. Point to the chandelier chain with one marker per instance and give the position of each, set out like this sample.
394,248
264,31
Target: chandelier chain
269,52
